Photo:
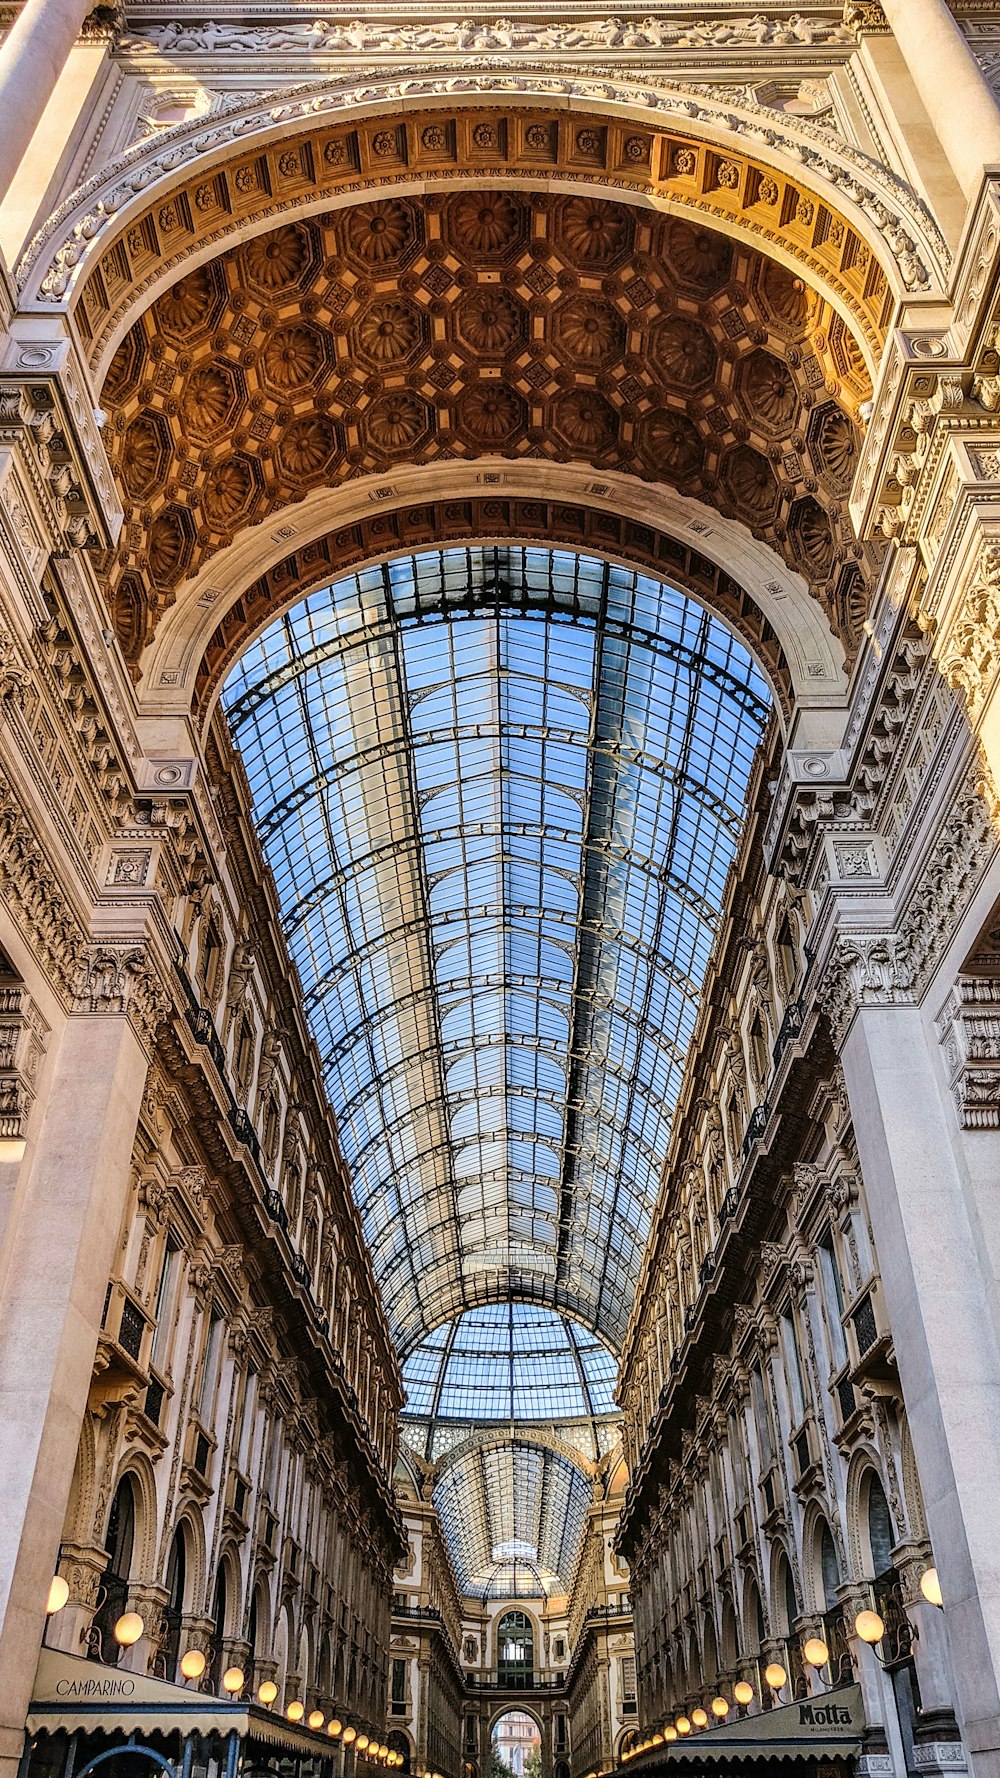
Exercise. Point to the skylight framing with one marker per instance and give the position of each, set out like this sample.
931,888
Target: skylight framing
464,763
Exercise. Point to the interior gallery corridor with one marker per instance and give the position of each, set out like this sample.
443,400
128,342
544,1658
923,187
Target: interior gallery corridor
500,890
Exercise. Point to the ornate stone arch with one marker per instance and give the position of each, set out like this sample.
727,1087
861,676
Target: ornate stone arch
140,218
912,1492
230,1565
753,1600
79,1520
780,1564
189,1522
816,1519
136,1466
524,1709
865,1463
260,1589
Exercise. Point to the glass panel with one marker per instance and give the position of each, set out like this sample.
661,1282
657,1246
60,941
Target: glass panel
500,791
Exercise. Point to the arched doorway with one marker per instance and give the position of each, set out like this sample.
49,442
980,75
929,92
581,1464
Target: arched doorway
517,1739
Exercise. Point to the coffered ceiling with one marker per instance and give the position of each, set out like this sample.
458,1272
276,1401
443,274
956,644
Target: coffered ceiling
483,323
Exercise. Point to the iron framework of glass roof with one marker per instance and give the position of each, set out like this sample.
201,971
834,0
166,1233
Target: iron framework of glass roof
500,790
510,1361
513,1515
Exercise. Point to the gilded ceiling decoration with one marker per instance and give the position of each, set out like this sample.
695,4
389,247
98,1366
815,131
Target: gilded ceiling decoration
481,323
489,142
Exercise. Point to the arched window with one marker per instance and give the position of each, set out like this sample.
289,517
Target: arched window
760,1059
515,1646
881,1535
788,957
829,1569
113,1595
219,1607
176,1582
397,1742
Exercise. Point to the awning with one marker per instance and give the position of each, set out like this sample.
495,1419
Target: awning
826,1727
77,1696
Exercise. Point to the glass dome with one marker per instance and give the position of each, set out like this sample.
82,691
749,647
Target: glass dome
510,1361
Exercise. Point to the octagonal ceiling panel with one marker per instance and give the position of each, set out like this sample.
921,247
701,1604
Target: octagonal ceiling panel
483,323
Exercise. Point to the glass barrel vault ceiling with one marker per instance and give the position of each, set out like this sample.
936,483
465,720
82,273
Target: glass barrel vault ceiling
513,1515
500,789
510,1361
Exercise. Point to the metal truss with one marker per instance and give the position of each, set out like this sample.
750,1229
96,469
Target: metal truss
500,791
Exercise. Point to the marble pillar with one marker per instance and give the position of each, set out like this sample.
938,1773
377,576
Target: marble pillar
32,58
944,1338
61,1251
951,85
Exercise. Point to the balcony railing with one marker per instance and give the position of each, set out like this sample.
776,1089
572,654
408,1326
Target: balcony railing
514,1679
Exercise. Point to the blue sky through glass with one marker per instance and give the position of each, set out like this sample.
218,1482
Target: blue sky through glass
500,790
510,1361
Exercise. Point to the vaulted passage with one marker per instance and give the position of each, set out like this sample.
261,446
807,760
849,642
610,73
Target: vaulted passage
499,887
500,791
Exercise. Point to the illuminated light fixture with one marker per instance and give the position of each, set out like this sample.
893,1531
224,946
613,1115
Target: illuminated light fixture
233,1680
930,1587
657,1741
775,1675
362,1742
316,1719
816,1651
335,1727
720,1707
670,1733
267,1691
128,1629
699,1717
349,1736
296,1710
59,1593
193,1664
869,1626
683,1726
743,1692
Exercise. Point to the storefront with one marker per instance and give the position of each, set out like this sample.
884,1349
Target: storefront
89,1720
817,1737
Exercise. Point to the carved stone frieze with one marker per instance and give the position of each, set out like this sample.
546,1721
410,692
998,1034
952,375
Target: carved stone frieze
969,1029
23,1034
372,39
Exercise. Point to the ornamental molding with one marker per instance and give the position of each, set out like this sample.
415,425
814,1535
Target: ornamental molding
372,37
893,216
52,432
893,967
35,898
968,1028
119,976
23,1035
